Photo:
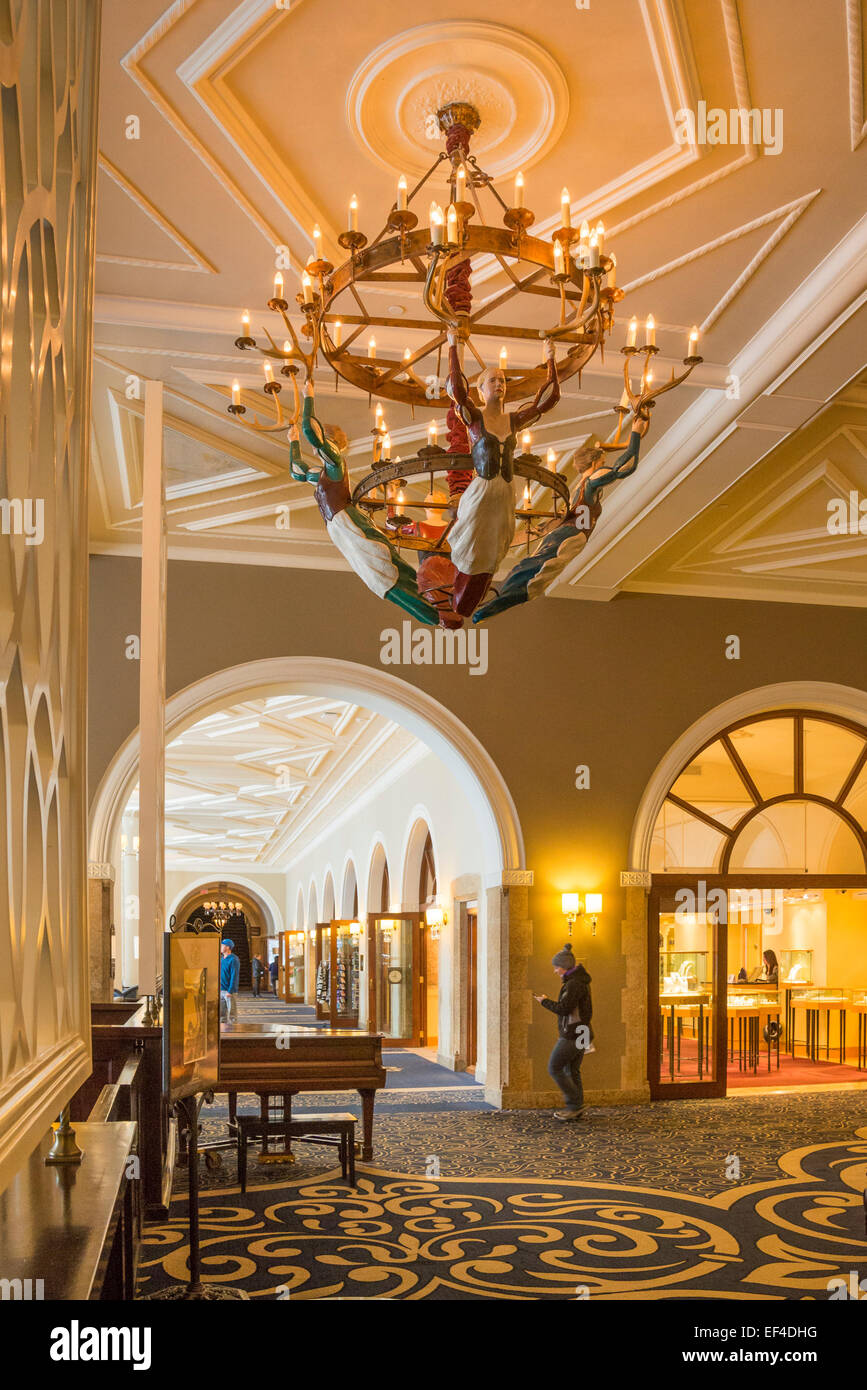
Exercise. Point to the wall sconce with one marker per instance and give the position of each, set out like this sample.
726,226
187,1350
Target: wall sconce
436,919
571,905
593,907
354,928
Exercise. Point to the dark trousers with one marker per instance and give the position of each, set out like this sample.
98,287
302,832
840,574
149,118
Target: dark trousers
256,979
564,1067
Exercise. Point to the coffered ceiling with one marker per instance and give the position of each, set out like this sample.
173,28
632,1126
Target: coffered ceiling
255,120
256,784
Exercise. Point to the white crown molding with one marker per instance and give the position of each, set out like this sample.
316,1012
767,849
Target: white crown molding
820,305
197,262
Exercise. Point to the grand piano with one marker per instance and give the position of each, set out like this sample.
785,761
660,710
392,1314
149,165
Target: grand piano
283,1059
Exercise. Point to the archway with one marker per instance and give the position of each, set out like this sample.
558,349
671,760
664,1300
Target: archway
500,852
753,834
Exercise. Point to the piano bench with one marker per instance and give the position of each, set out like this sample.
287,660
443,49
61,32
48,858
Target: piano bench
337,1130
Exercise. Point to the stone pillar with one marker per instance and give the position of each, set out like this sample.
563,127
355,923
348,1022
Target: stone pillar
101,931
508,1073
633,941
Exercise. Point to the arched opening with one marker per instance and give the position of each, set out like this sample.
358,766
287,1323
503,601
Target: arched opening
378,886
349,892
757,915
485,824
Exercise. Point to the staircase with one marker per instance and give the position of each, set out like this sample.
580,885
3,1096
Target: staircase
236,930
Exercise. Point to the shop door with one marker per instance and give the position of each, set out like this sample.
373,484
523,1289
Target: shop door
470,976
687,964
397,999
338,972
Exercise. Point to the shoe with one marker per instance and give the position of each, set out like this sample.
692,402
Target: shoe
568,1114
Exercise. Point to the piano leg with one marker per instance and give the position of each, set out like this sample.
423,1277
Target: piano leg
367,1098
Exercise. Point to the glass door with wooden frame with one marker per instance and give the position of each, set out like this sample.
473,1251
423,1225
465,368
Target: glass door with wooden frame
686,991
338,972
396,977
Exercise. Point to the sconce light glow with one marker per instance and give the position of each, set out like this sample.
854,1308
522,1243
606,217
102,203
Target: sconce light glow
571,903
593,904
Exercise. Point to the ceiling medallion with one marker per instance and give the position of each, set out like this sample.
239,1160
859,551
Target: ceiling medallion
464,529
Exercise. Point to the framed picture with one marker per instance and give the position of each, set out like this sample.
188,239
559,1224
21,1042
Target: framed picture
191,1013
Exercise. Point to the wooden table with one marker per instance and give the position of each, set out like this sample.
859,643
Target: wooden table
813,1009
751,1015
74,1228
254,1057
861,1011
672,1001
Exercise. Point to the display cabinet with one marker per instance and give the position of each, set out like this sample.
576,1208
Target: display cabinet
338,972
823,1010
796,967
294,945
682,971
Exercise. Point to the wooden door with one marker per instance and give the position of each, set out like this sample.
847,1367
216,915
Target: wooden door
470,976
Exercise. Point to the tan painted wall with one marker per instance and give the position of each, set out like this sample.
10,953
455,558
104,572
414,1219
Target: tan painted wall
611,685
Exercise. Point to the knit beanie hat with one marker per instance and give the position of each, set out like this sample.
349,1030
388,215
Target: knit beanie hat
564,960
226,941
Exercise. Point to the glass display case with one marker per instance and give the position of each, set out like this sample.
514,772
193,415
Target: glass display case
338,972
293,966
796,967
682,972
824,994
746,997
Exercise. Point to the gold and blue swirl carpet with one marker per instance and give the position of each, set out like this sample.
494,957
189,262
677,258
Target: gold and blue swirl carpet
751,1199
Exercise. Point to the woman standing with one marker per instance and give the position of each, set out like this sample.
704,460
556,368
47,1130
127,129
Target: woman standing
574,1010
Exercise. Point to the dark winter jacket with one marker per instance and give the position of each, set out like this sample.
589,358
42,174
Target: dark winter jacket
574,1005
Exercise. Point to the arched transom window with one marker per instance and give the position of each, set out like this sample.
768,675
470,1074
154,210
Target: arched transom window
783,791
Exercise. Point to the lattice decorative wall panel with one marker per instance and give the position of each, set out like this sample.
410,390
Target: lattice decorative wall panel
48,108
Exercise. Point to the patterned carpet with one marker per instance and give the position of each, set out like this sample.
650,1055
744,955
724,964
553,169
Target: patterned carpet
635,1202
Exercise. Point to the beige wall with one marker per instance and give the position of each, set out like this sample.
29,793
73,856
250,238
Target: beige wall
611,685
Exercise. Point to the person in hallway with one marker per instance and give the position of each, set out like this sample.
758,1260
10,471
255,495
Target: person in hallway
258,971
230,970
273,969
770,967
574,1010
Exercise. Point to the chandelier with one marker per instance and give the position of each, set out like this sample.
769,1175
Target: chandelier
482,544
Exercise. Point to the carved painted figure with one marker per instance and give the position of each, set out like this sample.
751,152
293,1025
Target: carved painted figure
485,523
567,536
371,555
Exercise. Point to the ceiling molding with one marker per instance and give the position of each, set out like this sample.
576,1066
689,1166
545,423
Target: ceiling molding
197,261
133,64
855,45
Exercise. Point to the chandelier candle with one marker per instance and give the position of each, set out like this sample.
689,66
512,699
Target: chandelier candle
436,224
565,209
650,331
519,190
452,223
353,214
504,358
632,332
401,194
